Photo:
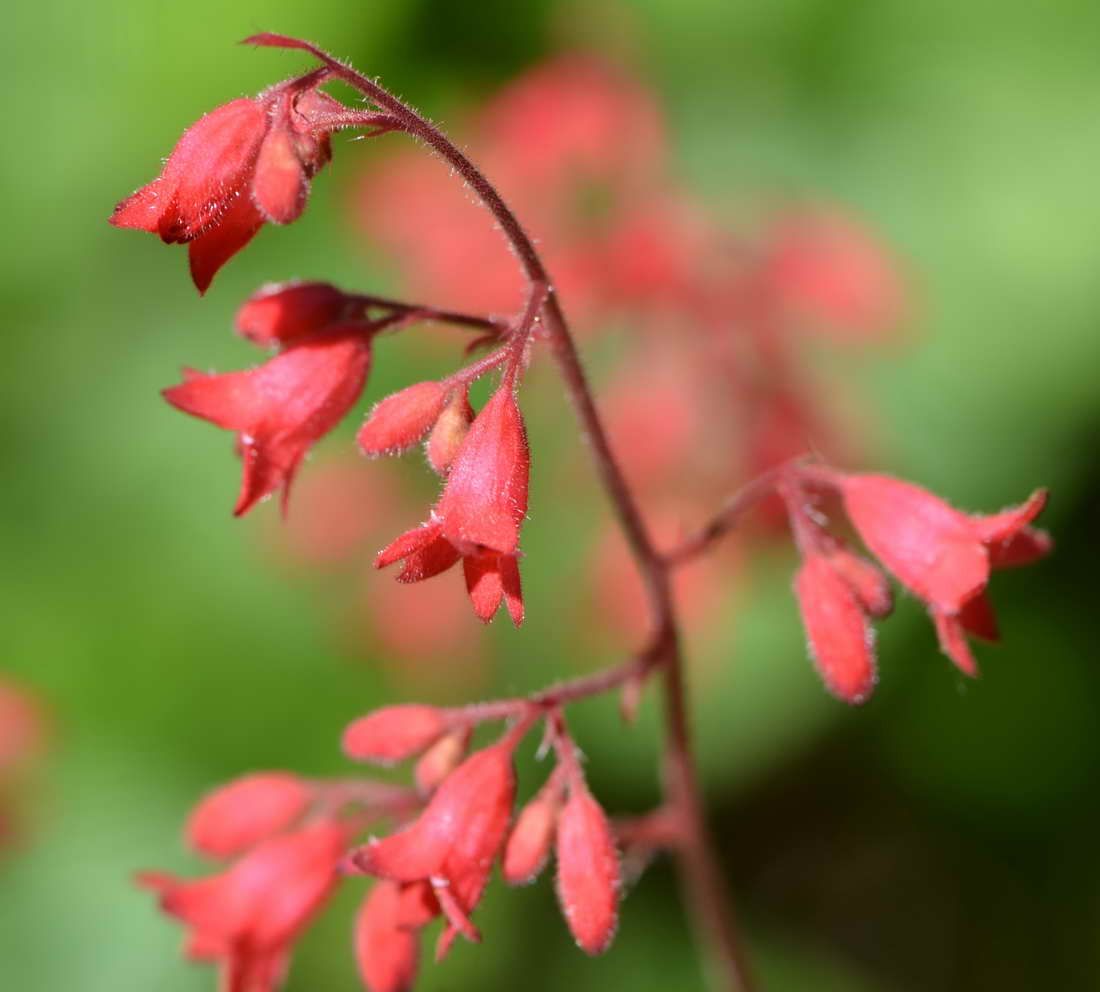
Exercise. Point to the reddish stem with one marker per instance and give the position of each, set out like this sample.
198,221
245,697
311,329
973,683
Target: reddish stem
476,321
699,865
725,520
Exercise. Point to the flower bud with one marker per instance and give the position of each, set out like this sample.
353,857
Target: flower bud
839,635
400,420
394,733
244,812
450,431
868,583
588,872
442,758
280,312
529,843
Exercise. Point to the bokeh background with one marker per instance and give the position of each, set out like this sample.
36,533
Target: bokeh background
940,837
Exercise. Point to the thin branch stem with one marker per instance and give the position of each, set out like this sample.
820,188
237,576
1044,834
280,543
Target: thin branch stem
424,312
699,866
725,520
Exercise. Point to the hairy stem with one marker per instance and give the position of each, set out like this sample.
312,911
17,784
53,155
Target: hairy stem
698,862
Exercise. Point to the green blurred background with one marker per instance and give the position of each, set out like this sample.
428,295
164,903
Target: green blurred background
942,837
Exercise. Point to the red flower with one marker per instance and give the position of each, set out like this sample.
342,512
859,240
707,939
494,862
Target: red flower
281,408
249,916
945,557
236,816
452,844
386,942
478,515
247,162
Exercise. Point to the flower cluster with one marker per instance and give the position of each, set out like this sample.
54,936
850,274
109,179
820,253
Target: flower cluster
571,130
248,917
442,860
240,166
942,556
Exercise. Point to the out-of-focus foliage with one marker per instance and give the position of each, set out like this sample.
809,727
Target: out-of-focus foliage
941,837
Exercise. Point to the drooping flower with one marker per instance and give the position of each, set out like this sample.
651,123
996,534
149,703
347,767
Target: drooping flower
244,812
453,842
478,515
248,917
386,938
281,408
243,164
942,555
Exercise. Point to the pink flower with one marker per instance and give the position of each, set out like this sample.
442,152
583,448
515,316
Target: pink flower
281,408
943,556
244,163
478,515
249,916
452,844
236,816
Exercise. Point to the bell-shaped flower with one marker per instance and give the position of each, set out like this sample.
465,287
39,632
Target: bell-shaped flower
244,163
249,916
485,499
386,940
478,515
942,555
453,842
244,812
281,408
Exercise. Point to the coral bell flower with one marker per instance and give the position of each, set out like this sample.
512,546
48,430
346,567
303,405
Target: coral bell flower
386,942
281,408
249,916
479,513
452,844
942,555
245,163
